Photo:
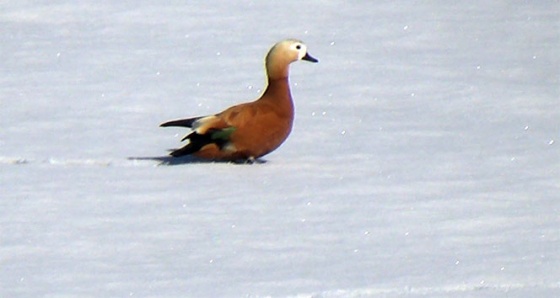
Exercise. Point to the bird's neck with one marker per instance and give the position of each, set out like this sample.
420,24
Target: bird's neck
278,88
277,69
278,93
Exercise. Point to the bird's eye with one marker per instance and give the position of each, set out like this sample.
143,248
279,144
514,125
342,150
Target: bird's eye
298,47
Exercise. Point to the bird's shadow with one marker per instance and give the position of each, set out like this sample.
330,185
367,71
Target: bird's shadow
168,160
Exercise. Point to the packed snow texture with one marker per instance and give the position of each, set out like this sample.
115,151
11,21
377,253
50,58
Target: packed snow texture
424,160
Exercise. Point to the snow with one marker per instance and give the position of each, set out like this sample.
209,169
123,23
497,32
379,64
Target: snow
424,160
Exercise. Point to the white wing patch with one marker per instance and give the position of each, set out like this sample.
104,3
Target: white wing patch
198,125
229,147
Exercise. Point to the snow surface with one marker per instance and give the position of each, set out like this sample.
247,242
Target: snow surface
424,160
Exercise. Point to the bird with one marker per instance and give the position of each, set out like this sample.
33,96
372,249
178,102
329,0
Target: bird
248,131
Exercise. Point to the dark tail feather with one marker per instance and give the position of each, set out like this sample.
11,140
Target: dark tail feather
196,142
188,149
180,122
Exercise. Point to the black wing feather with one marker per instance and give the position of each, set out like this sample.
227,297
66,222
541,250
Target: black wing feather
197,141
181,122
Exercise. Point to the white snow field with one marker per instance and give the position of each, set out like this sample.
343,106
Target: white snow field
424,160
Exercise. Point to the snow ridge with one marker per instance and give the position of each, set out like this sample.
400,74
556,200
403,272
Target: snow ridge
82,162
431,291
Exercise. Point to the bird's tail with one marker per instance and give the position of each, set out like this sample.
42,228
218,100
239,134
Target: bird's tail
187,150
196,142
181,122
220,137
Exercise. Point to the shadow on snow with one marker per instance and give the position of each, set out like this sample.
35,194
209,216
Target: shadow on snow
190,159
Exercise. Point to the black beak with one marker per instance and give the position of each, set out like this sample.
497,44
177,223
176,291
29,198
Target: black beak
308,57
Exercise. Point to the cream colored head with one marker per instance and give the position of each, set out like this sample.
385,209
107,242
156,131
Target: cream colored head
282,54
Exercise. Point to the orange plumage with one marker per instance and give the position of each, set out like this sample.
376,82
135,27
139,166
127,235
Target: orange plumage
250,130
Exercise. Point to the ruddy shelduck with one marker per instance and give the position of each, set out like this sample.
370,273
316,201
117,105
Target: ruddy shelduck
250,130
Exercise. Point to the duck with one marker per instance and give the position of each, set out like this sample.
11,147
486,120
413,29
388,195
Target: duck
248,131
